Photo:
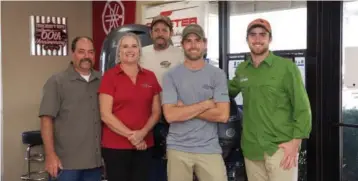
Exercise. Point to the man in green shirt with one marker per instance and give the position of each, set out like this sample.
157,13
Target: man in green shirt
277,114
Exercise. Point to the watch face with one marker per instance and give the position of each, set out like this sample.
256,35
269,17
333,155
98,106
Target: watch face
165,64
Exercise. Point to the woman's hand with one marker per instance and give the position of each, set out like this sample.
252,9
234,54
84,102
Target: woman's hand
141,146
137,136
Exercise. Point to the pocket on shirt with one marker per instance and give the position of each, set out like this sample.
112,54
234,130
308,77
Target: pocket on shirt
271,90
206,94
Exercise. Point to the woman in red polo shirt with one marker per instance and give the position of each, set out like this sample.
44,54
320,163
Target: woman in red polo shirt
130,107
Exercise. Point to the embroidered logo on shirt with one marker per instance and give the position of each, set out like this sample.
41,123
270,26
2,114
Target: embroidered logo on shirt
145,85
244,79
207,87
165,64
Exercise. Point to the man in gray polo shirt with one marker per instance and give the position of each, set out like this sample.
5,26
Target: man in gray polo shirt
70,118
195,99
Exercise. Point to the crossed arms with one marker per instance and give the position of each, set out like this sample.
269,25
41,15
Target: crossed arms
216,109
206,110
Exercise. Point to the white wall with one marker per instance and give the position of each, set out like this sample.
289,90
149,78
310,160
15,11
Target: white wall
23,76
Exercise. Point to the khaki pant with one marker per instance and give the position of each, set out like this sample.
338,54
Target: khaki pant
269,169
207,167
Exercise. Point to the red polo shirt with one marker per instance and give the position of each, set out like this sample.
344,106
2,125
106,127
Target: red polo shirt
132,104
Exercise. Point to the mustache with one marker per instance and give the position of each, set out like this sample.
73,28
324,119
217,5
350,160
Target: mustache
160,37
86,60
194,49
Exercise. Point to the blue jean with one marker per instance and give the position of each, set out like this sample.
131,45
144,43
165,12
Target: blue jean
94,174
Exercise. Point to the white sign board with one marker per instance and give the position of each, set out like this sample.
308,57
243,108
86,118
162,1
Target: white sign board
350,63
181,13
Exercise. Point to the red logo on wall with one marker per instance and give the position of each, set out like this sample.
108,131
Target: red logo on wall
109,15
113,15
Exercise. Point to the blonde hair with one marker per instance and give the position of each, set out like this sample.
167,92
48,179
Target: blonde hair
136,37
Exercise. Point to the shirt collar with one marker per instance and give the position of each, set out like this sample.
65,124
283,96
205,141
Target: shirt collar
75,75
120,70
268,60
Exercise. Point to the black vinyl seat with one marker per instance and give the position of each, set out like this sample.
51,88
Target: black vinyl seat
33,139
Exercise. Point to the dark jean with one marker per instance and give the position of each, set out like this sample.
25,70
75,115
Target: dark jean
158,171
126,164
94,174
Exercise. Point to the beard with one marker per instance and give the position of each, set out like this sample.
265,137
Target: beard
85,60
161,46
193,57
258,52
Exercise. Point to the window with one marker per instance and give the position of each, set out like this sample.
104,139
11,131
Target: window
349,92
213,39
212,33
288,25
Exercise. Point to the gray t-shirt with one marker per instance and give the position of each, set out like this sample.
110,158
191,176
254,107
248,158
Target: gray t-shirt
181,83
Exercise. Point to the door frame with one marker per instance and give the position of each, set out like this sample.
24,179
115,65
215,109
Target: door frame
323,70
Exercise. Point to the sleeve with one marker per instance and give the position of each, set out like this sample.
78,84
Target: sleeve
107,85
300,103
234,84
221,88
169,94
50,102
156,87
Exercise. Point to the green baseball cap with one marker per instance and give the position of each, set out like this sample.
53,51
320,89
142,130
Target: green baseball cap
195,29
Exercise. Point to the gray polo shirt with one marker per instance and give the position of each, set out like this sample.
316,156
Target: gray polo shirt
73,104
180,83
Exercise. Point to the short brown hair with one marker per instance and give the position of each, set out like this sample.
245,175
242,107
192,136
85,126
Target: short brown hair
76,39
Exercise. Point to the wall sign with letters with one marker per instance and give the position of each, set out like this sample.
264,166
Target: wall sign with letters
49,36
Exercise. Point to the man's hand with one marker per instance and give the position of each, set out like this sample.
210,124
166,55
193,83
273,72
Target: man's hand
141,146
208,103
137,136
290,153
52,164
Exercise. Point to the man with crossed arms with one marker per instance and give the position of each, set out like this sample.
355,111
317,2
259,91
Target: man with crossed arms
195,98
